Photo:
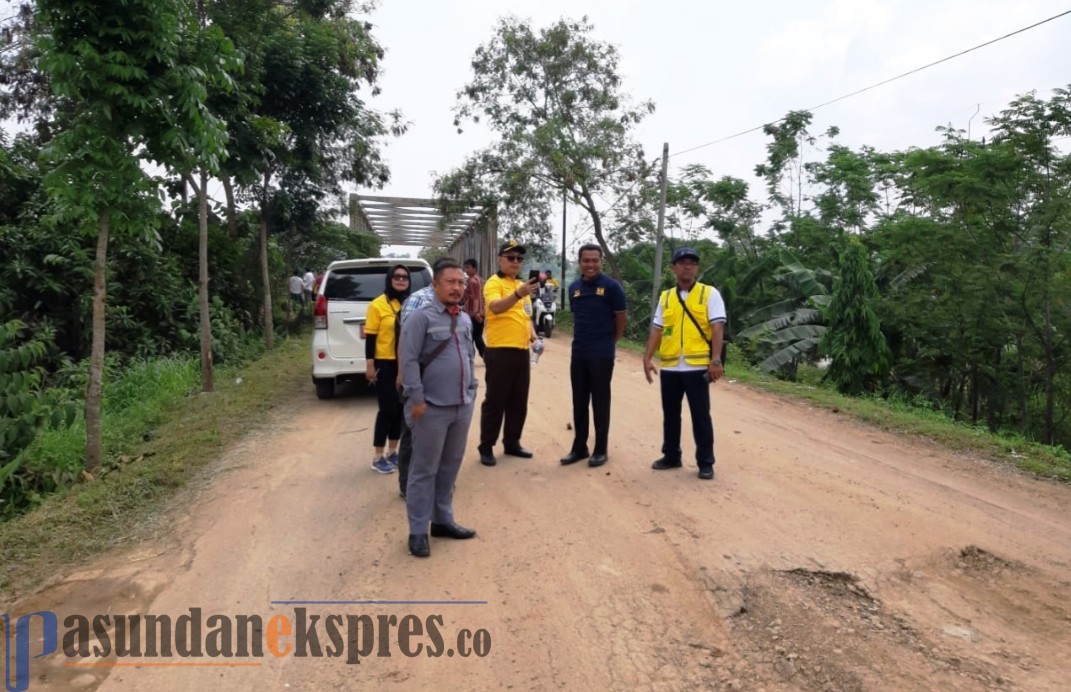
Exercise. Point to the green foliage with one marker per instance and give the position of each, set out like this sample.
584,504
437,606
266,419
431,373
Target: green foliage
554,97
229,336
324,242
118,73
431,254
853,340
137,397
20,390
25,406
785,333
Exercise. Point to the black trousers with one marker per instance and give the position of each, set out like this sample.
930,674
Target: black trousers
676,386
508,378
389,418
477,336
590,378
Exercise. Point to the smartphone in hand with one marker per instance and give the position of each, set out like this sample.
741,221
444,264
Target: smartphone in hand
533,275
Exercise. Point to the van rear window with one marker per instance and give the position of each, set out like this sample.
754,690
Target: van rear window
366,283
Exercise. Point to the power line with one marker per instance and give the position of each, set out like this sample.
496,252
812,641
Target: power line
842,98
881,83
617,201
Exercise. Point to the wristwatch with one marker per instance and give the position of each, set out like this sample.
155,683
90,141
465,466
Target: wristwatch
716,361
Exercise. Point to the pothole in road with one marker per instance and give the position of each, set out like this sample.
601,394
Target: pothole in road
822,630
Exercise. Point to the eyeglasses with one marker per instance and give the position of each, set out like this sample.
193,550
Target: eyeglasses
513,258
400,277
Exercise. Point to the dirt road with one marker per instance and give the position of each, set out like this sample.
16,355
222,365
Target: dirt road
826,555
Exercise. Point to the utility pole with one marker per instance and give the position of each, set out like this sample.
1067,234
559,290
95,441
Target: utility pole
561,277
661,225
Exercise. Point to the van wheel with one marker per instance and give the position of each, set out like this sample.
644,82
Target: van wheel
325,389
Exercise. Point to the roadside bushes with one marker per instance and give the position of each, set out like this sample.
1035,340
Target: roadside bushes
136,394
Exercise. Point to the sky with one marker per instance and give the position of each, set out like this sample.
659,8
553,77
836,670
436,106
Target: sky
714,69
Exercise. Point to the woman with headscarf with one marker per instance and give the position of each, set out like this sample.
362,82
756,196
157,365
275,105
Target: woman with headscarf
381,329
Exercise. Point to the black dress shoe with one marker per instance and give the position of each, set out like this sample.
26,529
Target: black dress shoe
573,457
519,452
598,460
664,463
451,531
418,545
706,474
488,459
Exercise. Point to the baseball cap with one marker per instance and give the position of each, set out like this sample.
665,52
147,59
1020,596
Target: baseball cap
684,253
512,246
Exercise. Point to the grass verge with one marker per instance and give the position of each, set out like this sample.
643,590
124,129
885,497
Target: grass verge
901,417
101,513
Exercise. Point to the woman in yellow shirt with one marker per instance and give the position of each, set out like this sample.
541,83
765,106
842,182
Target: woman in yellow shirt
381,330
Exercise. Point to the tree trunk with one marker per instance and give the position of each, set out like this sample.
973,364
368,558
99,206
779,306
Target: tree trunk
232,217
265,277
1049,434
96,354
202,284
974,394
596,221
1024,389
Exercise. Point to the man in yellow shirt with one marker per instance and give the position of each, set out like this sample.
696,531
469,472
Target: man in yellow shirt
508,333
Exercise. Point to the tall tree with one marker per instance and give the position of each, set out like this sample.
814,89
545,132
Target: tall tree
123,90
554,97
950,297
301,127
205,49
1041,232
853,340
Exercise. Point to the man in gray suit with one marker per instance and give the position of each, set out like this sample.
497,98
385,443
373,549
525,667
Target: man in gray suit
439,386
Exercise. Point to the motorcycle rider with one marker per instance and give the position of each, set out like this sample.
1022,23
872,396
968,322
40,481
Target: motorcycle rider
544,301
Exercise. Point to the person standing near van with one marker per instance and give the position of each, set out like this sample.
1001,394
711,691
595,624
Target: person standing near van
415,301
296,289
473,304
382,327
439,383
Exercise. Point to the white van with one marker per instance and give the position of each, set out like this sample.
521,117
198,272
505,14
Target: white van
342,302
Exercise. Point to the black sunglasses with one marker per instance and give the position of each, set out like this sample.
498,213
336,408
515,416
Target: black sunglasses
513,258
400,276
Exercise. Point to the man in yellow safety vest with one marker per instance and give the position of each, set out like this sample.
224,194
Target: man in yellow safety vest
687,332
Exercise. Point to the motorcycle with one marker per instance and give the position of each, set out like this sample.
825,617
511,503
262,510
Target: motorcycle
544,305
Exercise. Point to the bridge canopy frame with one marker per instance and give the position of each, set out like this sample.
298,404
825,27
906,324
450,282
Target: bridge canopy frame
469,233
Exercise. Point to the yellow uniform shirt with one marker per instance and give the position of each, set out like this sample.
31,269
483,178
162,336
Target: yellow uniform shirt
380,319
512,328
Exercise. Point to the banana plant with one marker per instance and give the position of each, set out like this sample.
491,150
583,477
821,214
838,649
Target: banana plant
788,332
